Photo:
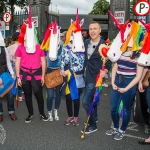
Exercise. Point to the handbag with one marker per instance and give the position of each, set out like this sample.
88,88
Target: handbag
80,83
7,84
146,80
53,79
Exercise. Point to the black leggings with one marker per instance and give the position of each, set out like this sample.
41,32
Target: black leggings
76,104
27,88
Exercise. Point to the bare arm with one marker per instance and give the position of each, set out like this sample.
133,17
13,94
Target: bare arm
143,75
9,66
140,86
114,71
17,66
43,62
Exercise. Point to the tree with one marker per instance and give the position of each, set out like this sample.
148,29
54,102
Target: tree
100,8
10,5
132,3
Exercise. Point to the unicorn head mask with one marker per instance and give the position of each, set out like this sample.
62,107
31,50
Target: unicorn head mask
144,58
75,30
28,35
51,41
114,52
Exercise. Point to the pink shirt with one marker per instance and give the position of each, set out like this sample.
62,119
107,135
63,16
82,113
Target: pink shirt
30,60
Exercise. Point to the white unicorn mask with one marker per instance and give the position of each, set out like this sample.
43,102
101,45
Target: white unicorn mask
28,35
54,42
114,52
30,42
51,40
75,29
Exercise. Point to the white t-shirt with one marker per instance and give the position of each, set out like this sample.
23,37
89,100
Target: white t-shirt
91,48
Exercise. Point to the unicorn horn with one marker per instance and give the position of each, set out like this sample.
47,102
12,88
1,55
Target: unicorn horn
114,19
77,17
147,26
55,27
122,28
29,16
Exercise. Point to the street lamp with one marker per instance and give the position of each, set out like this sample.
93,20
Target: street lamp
56,8
51,11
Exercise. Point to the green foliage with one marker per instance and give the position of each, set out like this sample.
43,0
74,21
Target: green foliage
132,3
100,8
6,5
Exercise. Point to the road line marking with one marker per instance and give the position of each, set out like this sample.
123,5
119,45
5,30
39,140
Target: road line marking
136,137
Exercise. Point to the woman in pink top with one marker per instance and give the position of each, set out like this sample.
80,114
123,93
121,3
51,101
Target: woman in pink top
30,70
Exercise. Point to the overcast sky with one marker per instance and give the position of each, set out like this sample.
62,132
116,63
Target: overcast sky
69,6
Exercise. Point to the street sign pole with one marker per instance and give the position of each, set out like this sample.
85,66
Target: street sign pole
148,16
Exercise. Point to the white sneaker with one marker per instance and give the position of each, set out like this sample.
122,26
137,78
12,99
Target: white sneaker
105,85
50,117
56,114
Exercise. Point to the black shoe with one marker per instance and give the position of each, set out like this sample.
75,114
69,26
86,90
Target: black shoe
89,130
143,142
28,119
44,117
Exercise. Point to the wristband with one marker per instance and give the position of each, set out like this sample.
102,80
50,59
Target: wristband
17,77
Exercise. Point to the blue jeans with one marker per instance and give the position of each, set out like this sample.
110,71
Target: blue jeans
127,98
10,103
87,101
50,98
148,102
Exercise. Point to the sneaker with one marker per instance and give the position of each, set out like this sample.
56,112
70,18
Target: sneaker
20,99
89,130
105,85
28,119
119,135
50,117
56,114
75,121
69,120
44,117
1,118
112,131
13,116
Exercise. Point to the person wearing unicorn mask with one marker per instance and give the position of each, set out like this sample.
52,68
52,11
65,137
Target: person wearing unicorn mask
54,51
92,67
30,68
73,59
126,73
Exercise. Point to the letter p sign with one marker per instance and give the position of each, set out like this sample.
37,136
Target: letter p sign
142,8
7,17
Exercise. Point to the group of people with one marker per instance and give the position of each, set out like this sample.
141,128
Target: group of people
28,63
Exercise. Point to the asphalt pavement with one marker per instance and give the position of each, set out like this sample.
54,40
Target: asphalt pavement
40,135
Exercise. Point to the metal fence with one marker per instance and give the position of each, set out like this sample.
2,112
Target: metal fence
20,16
